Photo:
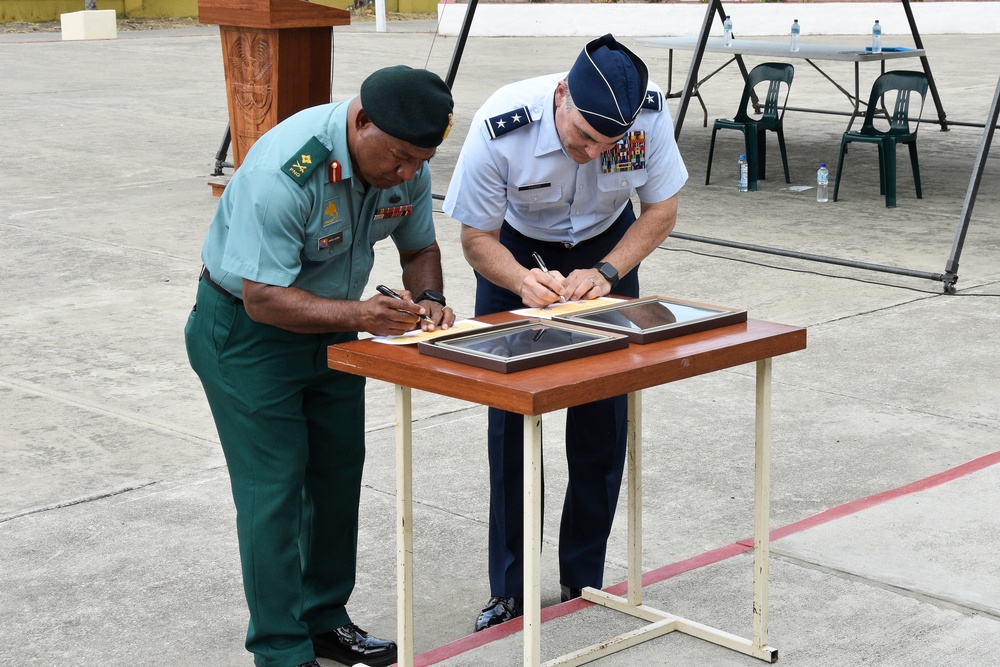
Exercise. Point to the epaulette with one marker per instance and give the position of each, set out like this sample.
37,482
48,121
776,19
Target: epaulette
505,122
653,100
305,161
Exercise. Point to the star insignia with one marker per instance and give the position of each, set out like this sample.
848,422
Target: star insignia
507,122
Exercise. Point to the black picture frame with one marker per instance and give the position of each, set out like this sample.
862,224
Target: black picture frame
523,344
655,318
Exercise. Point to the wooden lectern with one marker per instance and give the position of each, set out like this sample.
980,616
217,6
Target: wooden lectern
277,58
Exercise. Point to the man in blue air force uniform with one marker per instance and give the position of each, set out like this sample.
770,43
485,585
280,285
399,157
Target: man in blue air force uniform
549,166
287,256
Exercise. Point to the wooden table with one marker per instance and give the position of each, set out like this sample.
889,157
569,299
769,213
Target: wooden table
536,391
809,52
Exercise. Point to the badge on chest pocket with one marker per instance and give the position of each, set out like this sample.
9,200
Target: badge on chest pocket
331,211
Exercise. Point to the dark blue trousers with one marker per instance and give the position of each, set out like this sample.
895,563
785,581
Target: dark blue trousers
595,440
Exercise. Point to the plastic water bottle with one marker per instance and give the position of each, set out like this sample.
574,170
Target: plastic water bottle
822,183
795,35
876,37
727,29
742,183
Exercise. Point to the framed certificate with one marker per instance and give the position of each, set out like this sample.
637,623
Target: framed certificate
655,318
523,344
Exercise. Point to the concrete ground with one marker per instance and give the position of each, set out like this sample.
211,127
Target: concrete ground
117,541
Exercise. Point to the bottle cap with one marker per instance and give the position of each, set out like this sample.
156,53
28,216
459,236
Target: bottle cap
822,164
742,156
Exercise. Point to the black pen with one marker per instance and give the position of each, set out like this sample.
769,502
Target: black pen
392,295
541,265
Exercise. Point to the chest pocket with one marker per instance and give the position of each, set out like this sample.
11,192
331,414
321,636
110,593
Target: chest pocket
328,242
531,203
617,187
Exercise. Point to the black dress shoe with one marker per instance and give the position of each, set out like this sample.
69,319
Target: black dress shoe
350,645
499,610
570,593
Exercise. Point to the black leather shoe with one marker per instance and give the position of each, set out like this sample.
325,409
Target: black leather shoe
309,664
499,610
570,593
350,645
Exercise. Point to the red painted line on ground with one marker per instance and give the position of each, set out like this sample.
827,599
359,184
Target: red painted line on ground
473,641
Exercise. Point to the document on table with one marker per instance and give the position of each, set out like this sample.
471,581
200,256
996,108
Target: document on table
417,335
567,308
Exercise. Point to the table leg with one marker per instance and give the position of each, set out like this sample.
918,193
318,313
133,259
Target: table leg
635,499
762,510
404,527
532,540
857,96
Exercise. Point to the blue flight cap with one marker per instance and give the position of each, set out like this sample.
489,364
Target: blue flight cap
608,84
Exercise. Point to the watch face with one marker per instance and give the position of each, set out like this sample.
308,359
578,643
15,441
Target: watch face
608,272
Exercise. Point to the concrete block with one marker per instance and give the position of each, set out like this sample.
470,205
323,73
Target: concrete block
89,24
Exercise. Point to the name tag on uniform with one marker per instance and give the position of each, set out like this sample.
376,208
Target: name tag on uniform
629,154
393,212
330,241
533,186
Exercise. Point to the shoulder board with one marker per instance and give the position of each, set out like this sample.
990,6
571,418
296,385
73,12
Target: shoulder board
505,122
305,161
653,100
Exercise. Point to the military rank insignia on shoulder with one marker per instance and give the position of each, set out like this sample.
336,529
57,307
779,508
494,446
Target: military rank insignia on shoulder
305,161
505,122
653,100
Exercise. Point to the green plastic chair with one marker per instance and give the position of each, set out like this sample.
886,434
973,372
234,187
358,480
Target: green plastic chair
753,129
904,84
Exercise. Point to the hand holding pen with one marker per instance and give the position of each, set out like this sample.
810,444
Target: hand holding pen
447,319
552,285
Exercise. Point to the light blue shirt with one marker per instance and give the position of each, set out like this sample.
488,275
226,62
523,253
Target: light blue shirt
526,177
313,234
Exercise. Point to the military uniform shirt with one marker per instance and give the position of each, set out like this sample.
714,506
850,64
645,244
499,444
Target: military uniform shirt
526,177
316,232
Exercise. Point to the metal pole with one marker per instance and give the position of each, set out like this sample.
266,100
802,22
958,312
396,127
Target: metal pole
808,256
220,155
951,268
691,85
456,57
926,65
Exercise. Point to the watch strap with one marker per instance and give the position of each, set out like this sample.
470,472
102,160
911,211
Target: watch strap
431,295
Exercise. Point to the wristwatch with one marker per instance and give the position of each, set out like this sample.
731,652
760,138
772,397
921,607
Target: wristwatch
609,272
431,295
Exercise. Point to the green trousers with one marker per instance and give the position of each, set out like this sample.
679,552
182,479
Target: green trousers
292,431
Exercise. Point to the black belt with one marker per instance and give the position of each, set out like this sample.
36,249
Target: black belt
217,287
563,244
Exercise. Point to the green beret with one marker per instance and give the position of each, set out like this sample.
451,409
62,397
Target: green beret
410,104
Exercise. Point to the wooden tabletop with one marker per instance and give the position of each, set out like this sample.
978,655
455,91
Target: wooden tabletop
556,386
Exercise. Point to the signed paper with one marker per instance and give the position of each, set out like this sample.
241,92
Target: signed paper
415,336
566,308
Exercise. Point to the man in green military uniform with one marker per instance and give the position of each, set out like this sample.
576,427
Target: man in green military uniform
287,257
